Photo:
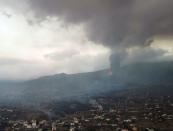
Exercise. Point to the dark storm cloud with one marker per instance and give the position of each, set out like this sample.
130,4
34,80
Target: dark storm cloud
123,23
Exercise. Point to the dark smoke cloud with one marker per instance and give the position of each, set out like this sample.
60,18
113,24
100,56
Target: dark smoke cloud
123,23
117,24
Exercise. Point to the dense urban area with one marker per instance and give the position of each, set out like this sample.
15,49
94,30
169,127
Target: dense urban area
131,109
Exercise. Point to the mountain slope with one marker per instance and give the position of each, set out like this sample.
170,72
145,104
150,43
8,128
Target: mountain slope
82,85
63,86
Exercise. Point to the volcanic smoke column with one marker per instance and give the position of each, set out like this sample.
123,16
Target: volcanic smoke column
116,60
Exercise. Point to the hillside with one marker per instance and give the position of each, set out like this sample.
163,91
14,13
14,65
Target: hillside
83,85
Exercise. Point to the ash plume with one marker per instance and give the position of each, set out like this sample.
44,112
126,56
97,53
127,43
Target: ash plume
117,24
123,23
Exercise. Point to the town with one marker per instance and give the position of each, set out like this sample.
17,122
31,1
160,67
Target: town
132,109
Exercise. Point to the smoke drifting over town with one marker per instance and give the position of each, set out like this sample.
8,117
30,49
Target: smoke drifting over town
103,63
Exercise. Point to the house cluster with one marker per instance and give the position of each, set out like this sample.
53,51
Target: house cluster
105,117
123,112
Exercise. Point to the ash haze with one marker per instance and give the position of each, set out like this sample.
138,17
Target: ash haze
43,37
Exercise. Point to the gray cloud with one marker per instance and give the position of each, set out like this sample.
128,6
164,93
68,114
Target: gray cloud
11,61
145,55
6,14
113,22
62,55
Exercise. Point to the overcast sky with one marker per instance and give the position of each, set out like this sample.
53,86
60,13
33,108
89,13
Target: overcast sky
44,37
29,49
